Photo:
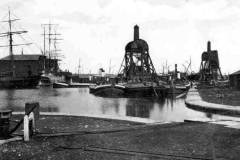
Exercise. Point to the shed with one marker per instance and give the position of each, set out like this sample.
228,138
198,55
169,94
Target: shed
234,80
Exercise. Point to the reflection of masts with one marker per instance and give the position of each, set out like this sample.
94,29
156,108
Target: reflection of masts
10,34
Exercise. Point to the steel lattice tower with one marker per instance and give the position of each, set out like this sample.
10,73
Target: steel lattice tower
137,64
210,68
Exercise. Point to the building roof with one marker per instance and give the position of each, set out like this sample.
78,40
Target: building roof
236,73
24,57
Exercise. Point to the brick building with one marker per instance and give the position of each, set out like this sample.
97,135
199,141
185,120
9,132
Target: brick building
25,65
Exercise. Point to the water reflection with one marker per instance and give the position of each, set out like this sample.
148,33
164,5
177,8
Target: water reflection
16,99
79,101
9,97
110,106
138,108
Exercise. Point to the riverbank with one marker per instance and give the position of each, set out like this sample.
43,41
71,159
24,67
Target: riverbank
71,137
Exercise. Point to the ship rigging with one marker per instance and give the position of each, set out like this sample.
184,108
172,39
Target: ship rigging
13,76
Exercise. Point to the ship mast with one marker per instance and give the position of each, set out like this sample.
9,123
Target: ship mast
49,26
10,44
10,34
79,66
55,42
44,41
50,37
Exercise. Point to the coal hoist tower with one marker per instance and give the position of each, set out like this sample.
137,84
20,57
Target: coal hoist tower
137,65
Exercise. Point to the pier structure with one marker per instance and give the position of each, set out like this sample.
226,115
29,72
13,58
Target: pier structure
210,67
137,65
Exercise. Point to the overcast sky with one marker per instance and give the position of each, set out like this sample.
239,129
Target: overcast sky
96,31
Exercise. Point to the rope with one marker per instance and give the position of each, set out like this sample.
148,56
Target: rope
21,121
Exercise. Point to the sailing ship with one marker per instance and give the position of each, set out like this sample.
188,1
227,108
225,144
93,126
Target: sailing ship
52,75
16,76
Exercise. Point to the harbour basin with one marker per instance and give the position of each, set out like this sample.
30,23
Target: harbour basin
78,101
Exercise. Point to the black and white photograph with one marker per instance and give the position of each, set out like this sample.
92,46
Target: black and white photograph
119,80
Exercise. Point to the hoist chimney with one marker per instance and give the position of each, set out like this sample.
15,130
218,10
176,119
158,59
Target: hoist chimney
208,46
136,32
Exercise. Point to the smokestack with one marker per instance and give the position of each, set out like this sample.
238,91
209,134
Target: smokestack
208,46
176,68
136,32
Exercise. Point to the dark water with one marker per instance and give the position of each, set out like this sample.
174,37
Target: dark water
79,101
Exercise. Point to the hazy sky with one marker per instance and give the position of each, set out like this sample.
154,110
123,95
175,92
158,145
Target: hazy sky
96,31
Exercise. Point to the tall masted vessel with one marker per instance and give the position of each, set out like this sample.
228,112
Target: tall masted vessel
52,75
18,71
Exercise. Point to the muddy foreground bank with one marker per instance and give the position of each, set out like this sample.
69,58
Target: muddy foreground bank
62,137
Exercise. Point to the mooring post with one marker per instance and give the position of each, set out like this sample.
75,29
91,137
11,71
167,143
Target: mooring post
32,125
29,124
26,128
30,106
5,116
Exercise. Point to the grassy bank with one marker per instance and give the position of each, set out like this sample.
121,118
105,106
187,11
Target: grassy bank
225,96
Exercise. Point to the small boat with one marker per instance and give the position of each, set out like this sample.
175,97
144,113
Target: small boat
45,81
48,79
177,88
107,90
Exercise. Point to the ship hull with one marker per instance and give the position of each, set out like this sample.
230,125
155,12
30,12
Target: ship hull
45,81
148,91
108,90
19,82
128,91
177,89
